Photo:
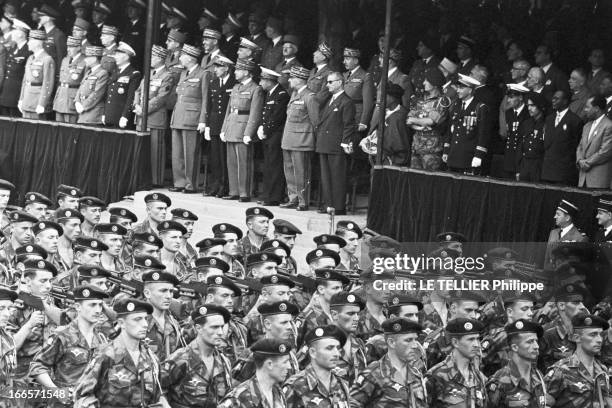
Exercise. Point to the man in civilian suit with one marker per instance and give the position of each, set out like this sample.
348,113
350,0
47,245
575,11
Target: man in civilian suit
188,119
219,90
335,132
554,78
594,153
561,136
271,132
566,231
273,54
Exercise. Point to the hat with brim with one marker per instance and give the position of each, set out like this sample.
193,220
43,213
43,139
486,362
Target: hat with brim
211,33
178,13
324,49
246,65
449,65
269,74
94,51
299,72
516,89
291,38
159,52
233,20
191,51
38,35
351,53
102,8
177,36
126,49
110,30
222,61
466,80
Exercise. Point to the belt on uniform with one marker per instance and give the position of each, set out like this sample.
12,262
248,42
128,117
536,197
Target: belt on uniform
33,84
66,85
239,112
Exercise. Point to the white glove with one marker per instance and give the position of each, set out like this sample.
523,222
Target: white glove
445,158
103,120
246,140
476,162
20,106
222,136
138,110
201,127
40,109
260,133
78,107
123,122
207,133
361,127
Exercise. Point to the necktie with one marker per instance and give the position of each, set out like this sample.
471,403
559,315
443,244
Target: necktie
557,119
284,63
464,105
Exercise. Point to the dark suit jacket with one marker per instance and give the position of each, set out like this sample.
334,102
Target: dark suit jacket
514,142
55,45
274,112
120,97
560,145
600,237
336,125
217,99
555,80
230,48
272,55
397,142
16,59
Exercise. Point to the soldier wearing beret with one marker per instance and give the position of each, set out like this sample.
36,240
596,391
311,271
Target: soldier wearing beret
345,308
271,133
17,55
392,379
38,81
199,374
258,224
121,89
70,348
112,235
122,216
20,235
157,210
222,291
108,39
298,141
188,119
164,333
259,265
519,383
231,249
47,234
331,242
91,96
212,247
86,251
580,380
372,316
124,372
279,248
352,234
36,205
242,118
91,208
272,361
457,379
187,219
67,197
7,362
318,75
286,232
161,86
319,383
171,233
291,45
71,74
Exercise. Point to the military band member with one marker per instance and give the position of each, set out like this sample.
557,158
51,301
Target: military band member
242,118
219,90
519,383
16,58
258,225
359,86
291,45
188,119
108,39
125,371
67,352
581,380
163,333
457,380
392,380
91,209
121,89
298,141
71,74
272,362
199,374
112,235
318,75
231,250
187,219
467,141
38,81
91,95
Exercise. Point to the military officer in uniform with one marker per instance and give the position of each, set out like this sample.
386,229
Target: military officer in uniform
16,58
318,75
71,76
519,383
124,372
258,225
581,380
392,380
242,118
121,90
219,90
68,351
188,119
272,363
161,86
199,374
566,231
298,141
319,383
458,380
271,132
515,116
291,44
174,45
187,219
91,96
38,80
210,40
359,86
108,38
55,41
157,211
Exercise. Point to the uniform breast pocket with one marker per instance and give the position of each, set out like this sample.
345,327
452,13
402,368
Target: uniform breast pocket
394,393
454,398
244,102
119,381
577,389
78,356
195,387
193,90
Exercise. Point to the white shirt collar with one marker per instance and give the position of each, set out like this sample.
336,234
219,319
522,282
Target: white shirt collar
256,36
302,88
426,60
122,67
562,113
336,95
596,121
607,230
520,109
287,60
391,112
190,70
467,101
37,53
609,99
566,229
595,71
95,67
246,81
225,78
391,71
320,67
465,61
272,90
276,40
545,68
354,70
214,53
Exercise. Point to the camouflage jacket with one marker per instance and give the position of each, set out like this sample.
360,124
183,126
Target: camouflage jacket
112,379
554,346
248,395
65,355
188,381
570,385
244,368
304,390
507,389
166,340
437,347
235,341
367,326
8,358
495,350
376,388
447,387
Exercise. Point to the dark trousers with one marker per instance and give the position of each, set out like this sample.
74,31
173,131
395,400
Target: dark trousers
217,164
273,174
13,112
333,180
66,117
158,156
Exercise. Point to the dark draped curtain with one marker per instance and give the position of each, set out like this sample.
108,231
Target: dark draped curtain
106,163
